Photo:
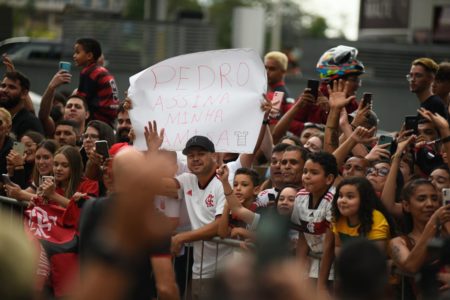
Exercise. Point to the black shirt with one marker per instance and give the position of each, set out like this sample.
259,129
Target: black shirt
91,217
435,104
23,121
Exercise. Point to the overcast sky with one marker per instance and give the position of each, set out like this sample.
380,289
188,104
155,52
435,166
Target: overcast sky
340,15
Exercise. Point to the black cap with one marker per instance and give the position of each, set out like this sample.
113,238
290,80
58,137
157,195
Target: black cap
199,141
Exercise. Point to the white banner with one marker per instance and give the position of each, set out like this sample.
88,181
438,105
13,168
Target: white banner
217,94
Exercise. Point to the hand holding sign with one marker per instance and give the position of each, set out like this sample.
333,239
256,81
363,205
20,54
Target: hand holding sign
213,93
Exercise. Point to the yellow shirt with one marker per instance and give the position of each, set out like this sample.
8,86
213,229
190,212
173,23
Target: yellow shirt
379,231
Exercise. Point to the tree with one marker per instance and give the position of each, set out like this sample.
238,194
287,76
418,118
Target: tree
317,28
295,23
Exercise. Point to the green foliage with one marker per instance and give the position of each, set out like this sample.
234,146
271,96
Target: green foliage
317,28
295,23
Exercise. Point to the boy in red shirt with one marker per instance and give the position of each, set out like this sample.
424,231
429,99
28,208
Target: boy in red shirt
96,84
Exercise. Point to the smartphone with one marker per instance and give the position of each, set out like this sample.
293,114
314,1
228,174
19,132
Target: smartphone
19,148
101,147
367,99
313,85
44,178
6,179
393,147
445,196
385,139
277,99
65,65
411,123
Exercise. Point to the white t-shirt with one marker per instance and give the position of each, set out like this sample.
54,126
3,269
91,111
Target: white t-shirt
313,223
203,205
264,197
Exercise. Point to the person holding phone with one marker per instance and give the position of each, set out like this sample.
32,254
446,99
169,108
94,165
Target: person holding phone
60,199
21,159
43,166
92,158
338,63
276,64
69,183
47,101
6,142
425,218
96,130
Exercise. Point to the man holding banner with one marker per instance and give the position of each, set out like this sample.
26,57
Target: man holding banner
206,102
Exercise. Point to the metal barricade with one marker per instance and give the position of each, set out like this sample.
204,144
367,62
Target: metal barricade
188,269
12,207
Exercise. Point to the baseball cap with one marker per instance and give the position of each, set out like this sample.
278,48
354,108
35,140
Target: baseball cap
199,141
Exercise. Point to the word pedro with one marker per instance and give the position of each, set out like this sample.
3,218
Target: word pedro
200,77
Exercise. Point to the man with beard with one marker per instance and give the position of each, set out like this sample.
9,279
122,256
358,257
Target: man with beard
13,90
420,78
123,125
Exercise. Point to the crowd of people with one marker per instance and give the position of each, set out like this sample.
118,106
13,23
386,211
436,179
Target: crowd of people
322,209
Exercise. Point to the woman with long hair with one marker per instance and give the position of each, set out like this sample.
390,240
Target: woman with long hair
424,219
68,178
43,166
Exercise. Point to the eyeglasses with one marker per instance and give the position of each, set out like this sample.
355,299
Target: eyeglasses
90,136
410,77
382,172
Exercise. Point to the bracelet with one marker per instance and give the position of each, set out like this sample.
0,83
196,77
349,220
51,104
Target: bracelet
265,121
445,140
228,194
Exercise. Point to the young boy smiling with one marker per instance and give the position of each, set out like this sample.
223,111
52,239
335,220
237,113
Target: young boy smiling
312,209
245,189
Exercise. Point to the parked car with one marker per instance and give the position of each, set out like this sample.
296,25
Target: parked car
26,48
